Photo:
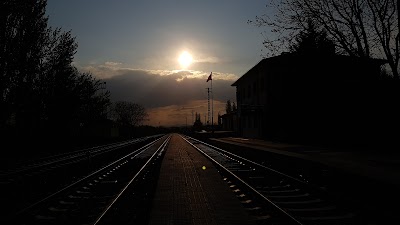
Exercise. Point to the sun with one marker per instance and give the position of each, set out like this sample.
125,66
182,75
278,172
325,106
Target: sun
185,59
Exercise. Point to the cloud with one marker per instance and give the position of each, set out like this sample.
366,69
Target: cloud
209,59
163,92
112,64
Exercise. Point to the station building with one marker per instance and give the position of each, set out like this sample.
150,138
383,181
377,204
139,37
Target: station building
307,98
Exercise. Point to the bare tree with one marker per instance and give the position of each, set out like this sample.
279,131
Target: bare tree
383,15
362,28
129,114
228,107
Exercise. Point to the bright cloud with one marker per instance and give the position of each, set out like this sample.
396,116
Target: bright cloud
163,92
209,59
111,69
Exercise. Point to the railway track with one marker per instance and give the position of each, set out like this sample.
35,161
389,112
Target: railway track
60,160
45,175
91,199
274,197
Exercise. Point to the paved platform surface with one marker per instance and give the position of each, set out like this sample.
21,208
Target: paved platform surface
380,165
187,194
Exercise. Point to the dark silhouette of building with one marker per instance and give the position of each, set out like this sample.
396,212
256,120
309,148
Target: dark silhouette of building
197,125
320,98
228,121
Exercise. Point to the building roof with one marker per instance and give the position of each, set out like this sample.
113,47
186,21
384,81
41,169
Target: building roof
288,57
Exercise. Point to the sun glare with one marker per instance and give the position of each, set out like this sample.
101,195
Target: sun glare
185,59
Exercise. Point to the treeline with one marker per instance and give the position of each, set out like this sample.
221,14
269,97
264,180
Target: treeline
44,98
42,93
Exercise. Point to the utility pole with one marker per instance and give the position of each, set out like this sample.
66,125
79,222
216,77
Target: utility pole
212,99
212,107
208,104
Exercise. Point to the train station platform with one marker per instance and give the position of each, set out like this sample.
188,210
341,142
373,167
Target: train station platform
379,165
188,194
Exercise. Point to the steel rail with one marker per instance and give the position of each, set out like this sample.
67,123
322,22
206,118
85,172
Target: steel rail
160,149
247,160
63,157
245,183
138,151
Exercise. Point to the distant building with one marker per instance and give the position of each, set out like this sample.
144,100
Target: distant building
228,121
197,125
297,97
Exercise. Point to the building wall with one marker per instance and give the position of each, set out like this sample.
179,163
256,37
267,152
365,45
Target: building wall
228,122
293,97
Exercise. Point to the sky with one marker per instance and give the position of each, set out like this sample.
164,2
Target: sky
135,46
